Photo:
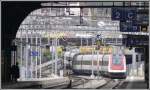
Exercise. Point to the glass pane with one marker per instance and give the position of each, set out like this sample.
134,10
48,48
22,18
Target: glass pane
107,3
127,3
118,3
116,59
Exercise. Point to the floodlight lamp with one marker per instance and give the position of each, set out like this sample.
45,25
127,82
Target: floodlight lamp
120,36
101,23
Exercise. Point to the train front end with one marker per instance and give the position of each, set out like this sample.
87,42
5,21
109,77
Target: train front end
117,66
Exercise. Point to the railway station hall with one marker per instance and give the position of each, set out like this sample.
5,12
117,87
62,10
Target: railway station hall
75,44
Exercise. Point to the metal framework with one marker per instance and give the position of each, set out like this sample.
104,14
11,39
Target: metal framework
99,4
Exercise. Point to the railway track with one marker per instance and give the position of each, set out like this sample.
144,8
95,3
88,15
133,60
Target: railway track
78,81
111,83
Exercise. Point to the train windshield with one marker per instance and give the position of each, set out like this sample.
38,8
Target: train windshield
117,55
116,59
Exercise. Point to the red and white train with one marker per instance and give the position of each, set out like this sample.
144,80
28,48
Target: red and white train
111,65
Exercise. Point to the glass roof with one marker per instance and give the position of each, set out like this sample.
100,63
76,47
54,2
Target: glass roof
72,19
59,19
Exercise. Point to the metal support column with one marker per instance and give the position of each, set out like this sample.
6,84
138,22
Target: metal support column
21,49
81,16
56,56
134,62
98,64
87,41
36,56
26,53
31,63
92,58
16,53
81,41
40,55
21,65
52,55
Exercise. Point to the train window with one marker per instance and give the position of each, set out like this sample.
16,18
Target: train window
116,59
104,63
86,62
77,62
82,62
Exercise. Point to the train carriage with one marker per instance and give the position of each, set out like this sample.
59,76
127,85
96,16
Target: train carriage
112,65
